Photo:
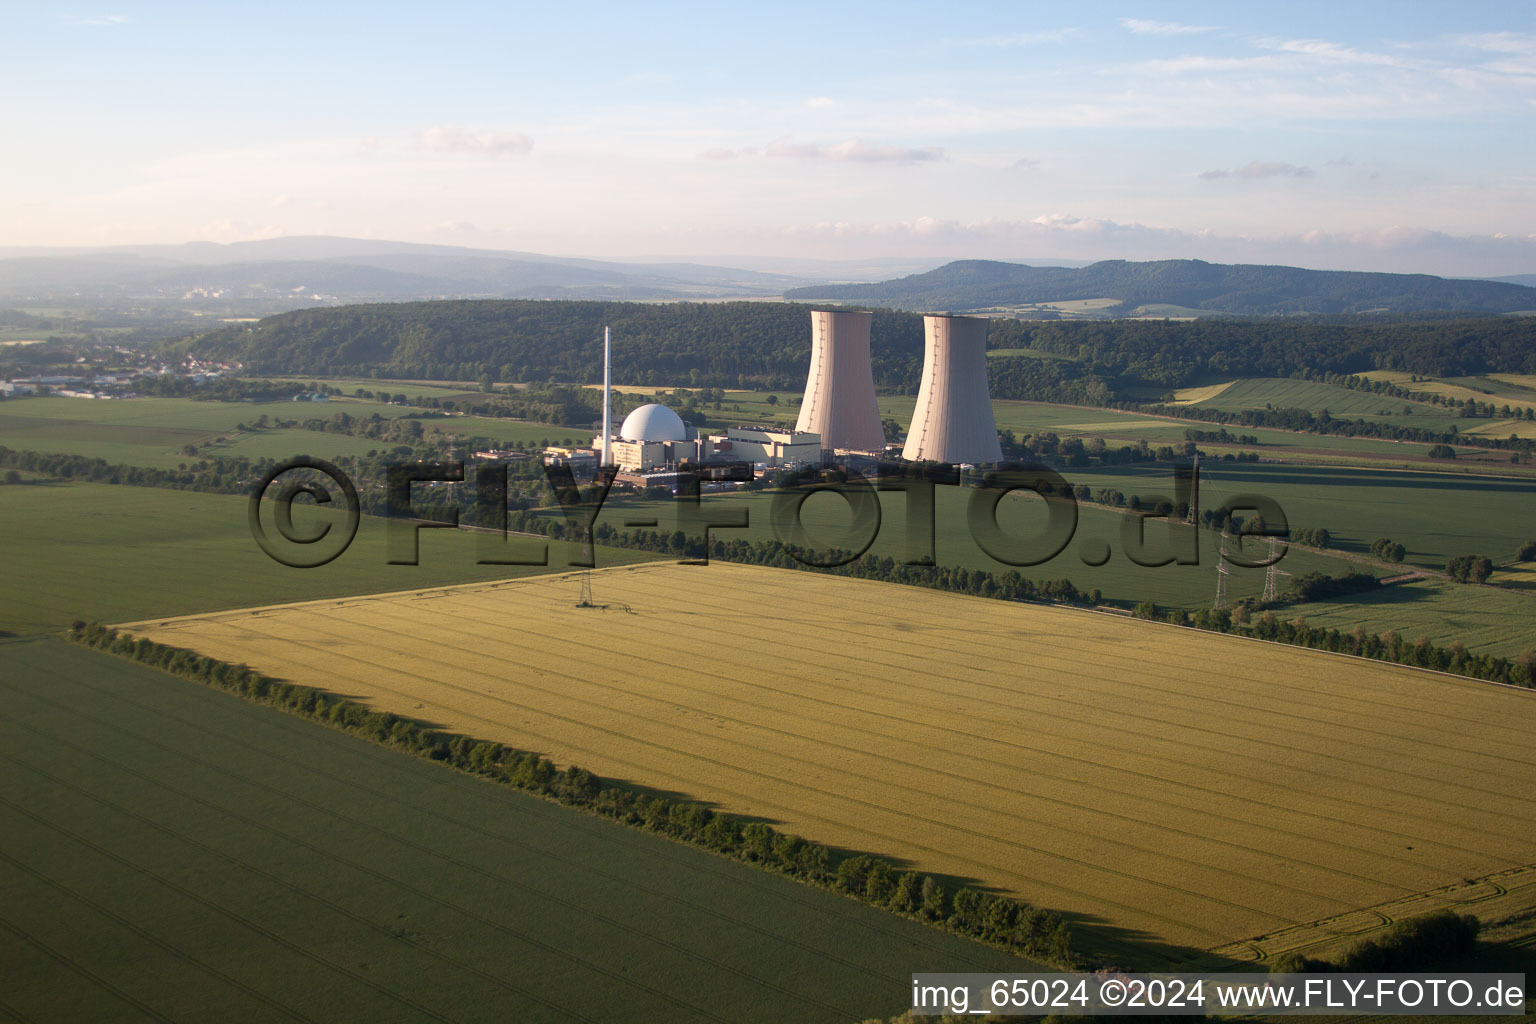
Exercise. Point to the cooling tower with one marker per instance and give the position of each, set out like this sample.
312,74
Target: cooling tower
839,399
953,420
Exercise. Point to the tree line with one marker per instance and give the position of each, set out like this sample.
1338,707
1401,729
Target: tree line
732,344
1425,943
1013,924
1389,647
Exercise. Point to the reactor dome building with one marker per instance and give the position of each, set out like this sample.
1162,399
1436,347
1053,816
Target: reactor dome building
653,423
953,420
839,402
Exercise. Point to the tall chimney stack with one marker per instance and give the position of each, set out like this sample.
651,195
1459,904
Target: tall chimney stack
607,459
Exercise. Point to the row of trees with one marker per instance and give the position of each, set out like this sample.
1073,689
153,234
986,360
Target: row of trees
1389,646
1469,568
1308,422
1012,924
1431,942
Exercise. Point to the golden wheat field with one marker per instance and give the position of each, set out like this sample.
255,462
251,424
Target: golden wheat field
1190,396
1164,784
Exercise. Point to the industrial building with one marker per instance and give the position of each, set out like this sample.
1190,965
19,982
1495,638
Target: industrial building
655,438
839,402
953,419
765,447
651,436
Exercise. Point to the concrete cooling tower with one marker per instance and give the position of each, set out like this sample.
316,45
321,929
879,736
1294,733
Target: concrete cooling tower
839,399
953,420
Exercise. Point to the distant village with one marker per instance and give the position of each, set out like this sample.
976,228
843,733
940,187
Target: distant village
117,384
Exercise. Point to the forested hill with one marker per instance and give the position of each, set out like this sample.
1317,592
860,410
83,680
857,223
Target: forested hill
1239,289
766,343
530,340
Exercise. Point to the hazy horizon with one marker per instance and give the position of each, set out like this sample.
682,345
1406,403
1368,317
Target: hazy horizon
1367,137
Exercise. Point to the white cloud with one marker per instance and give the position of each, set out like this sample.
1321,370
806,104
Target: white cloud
850,150
858,150
1322,49
96,19
1163,28
821,102
1258,169
443,138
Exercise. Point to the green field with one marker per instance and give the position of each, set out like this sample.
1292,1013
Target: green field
1340,402
1485,619
174,853
110,553
1122,581
1428,512
153,431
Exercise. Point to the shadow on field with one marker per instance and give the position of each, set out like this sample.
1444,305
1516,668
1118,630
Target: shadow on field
1393,594
1109,945
1102,943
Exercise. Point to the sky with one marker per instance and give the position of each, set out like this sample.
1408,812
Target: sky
1369,136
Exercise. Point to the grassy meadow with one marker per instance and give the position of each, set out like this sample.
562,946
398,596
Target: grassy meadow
1168,790
828,521
175,853
104,552
1489,620
1424,511
1341,402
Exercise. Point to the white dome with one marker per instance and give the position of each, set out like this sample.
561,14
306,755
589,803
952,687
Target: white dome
653,423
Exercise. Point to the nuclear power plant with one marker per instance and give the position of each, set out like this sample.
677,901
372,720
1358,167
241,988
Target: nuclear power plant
953,420
839,417
839,403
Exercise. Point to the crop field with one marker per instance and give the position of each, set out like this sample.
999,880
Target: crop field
1486,620
828,523
1522,381
104,552
1192,396
1165,788
1498,389
152,431
1518,575
1425,511
1503,428
1343,403
175,853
